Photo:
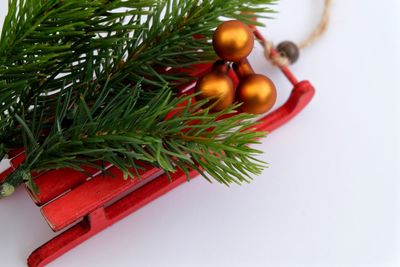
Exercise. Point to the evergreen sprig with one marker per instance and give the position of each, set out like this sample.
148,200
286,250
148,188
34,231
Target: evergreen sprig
83,81
166,132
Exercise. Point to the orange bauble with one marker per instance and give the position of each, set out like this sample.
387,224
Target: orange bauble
233,40
257,92
218,87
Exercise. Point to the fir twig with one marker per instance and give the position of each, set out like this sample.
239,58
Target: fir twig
69,69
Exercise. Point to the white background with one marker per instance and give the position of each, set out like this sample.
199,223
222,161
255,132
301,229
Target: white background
330,196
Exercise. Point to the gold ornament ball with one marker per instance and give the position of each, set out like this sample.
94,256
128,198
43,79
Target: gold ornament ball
257,92
218,87
233,40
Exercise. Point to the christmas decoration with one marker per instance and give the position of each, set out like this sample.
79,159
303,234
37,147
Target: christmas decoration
233,40
289,50
256,91
217,86
85,83
96,91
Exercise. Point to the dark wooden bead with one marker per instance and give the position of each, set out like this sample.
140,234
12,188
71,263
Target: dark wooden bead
289,50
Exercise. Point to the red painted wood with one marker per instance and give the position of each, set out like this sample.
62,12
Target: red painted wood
146,194
91,200
60,244
5,173
15,161
102,218
285,70
301,95
89,196
54,183
15,152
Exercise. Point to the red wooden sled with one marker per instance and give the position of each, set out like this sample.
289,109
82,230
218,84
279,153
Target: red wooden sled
81,206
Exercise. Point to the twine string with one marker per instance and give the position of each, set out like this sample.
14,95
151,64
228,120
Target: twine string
321,28
280,60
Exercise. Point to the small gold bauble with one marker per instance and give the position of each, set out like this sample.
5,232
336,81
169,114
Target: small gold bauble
257,92
218,87
233,40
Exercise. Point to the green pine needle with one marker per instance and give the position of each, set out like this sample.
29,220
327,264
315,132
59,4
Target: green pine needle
82,82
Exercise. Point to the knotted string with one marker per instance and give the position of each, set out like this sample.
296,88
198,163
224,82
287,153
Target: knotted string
279,59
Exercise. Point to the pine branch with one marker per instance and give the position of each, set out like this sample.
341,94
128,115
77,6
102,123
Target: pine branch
68,69
46,44
190,138
61,38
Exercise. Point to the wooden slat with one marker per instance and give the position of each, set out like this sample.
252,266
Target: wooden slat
302,93
92,194
15,161
54,183
101,219
145,194
5,173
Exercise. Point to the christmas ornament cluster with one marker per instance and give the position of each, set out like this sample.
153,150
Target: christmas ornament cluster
233,41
